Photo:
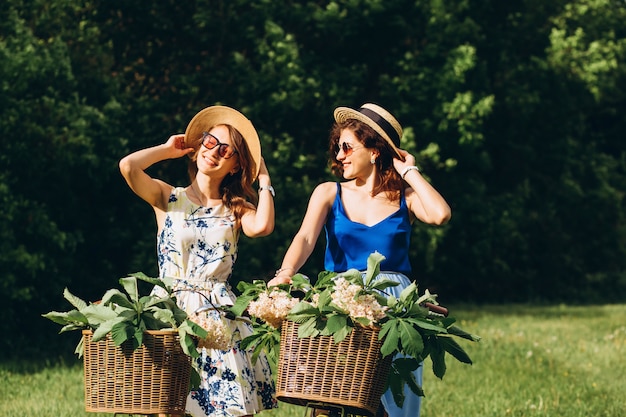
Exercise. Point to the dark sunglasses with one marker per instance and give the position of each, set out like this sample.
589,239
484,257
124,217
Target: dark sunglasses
224,150
346,148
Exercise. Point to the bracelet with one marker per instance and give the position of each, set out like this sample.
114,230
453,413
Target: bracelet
407,169
278,271
268,188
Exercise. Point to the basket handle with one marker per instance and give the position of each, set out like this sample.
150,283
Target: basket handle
436,309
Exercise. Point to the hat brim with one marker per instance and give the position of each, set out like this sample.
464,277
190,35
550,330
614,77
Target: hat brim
342,114
223,115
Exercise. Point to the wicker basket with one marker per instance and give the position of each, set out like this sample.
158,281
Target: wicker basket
151,379
351,374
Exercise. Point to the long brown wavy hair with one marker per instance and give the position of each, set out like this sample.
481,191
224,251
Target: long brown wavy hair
388,181
237,188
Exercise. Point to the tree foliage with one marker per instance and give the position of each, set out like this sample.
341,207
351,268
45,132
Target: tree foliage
513,109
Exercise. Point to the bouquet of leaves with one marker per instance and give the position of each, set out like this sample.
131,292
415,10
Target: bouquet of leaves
339,302
125,316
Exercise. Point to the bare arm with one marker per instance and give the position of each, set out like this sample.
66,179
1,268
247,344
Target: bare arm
422,198
260,222
154,191
304,241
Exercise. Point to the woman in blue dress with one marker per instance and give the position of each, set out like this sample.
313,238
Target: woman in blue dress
372,210
198,230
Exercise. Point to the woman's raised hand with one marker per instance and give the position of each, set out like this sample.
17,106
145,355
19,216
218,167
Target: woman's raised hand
176,145
409,160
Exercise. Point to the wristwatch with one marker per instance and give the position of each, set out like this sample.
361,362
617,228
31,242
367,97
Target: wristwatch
268,188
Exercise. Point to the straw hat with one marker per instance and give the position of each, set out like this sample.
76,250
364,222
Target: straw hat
222,115
378,119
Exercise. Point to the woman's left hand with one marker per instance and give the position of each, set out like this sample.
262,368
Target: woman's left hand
409,160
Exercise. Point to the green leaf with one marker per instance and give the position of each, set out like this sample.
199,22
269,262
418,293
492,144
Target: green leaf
153,323
438,358
335,323
194,378
164,315
165,282
98,313
241,304
405,367
454,349
384,329
427,325
302,312
300,282
396,385
138,336
115,296
352,275
74,300
341,333
382,284
308,328
427,297
463,334
250,341
324,279
69,317
121,332
373,267
106,327
186,331
391,336
80,347
365,322
130,286
410,339
409,295
194,329
324,298
71,327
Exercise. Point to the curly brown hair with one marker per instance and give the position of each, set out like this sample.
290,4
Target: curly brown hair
237,188
388,181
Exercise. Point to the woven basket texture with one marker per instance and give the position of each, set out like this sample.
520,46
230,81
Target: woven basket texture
351,374
151,379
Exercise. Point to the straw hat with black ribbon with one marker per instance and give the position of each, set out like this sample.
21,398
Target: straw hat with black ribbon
222,115
378,119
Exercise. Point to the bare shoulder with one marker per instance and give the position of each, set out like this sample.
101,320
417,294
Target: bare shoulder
325,192
326,187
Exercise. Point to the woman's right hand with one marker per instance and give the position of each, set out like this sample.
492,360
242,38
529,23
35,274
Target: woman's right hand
177,147
279,280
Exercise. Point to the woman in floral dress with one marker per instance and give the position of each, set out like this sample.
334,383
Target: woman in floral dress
198,231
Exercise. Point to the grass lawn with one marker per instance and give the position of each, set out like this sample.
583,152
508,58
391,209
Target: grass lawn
554,361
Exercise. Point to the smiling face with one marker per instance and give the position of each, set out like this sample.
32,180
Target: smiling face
354,157
217,154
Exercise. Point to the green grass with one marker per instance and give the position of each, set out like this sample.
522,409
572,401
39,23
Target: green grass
532,361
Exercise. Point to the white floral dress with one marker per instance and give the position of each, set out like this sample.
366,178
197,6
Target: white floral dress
198,248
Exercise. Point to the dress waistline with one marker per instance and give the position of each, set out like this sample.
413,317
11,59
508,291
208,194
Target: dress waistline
181,284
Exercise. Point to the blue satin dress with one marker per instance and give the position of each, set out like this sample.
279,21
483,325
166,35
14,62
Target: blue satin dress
348,245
